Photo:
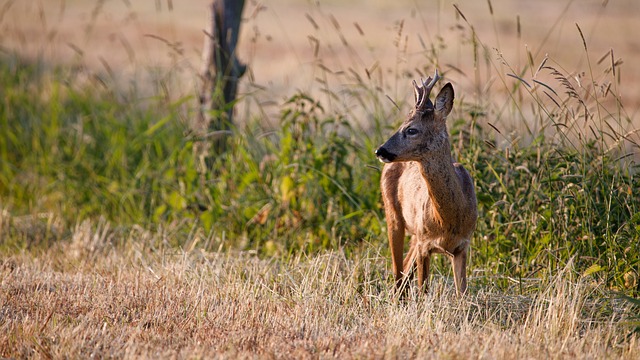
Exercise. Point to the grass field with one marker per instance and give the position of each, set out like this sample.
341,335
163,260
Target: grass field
87,299
113,242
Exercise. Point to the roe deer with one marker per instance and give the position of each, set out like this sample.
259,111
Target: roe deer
425,192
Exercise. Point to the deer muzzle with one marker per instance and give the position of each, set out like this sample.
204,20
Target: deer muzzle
384,155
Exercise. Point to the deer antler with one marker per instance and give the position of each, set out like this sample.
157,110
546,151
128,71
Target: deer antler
431,82
417,92
422,93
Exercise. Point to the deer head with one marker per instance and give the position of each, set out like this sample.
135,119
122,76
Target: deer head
425,130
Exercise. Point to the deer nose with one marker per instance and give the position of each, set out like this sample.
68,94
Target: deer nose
384,155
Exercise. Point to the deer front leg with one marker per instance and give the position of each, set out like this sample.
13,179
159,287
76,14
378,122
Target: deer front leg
396,243
423,271
459,264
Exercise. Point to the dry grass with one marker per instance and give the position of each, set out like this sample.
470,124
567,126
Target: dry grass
92,297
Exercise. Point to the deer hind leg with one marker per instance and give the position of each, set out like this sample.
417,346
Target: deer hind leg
423,263
409,263
459,264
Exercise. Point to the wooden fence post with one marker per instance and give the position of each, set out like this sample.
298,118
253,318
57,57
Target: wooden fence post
220,73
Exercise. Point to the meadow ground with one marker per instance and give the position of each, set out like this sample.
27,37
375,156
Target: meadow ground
115,243
86,298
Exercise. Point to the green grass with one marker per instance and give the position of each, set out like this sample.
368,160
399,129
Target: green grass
78,153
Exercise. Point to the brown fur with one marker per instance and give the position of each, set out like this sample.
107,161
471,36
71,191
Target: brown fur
425,193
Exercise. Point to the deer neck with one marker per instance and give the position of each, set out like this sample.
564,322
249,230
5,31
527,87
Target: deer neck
445,191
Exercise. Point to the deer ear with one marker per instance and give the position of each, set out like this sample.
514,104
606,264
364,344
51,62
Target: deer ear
444,100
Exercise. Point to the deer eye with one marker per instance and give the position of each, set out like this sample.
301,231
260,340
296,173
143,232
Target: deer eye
412,131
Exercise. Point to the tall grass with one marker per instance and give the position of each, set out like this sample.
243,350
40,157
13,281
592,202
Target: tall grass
560,188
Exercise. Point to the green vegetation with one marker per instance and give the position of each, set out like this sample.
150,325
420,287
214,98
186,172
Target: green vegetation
311,185
80,153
